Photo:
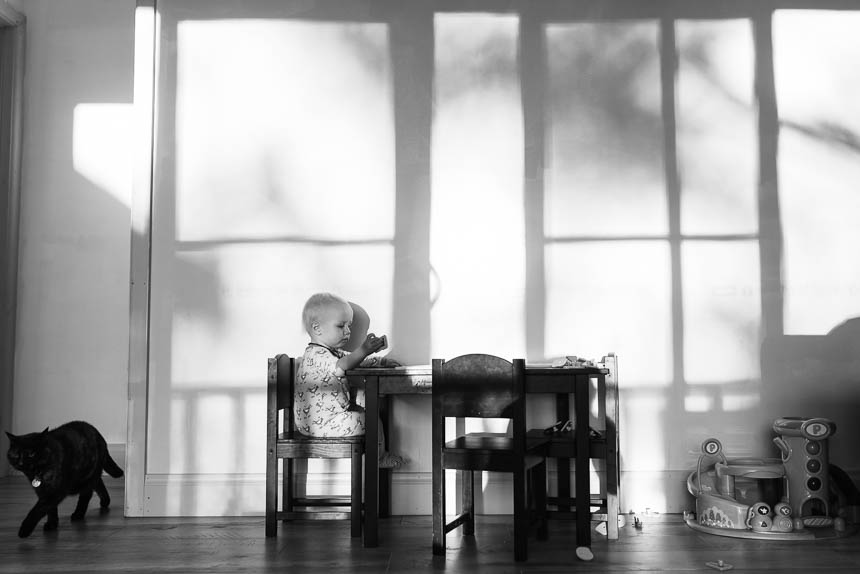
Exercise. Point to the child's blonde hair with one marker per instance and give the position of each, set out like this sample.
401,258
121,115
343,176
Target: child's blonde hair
315,305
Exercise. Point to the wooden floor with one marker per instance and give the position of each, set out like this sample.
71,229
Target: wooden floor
111,543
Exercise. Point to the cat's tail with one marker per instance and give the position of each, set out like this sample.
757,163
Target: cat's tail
111,467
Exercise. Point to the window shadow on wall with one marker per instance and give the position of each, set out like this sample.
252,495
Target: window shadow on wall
631,239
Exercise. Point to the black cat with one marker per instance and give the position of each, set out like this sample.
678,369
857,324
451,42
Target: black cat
66,460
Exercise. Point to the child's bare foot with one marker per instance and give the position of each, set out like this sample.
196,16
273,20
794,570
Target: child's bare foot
388,460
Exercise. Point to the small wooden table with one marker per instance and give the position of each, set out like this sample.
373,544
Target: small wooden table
382,382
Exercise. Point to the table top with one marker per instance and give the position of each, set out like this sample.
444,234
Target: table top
418,379
416,370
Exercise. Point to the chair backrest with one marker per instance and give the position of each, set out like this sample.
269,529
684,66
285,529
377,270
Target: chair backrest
282,374
481,386
285,377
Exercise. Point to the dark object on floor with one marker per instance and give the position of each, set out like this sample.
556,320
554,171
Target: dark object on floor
61,462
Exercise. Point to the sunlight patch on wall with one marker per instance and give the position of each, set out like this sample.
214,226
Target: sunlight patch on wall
603,112
820,95
274,138
722,311
223,311
698,403
717,122
101,147
818,91
741,402
644,494
648,432
477,228
258,292
204,436
612,296
274,180
178,458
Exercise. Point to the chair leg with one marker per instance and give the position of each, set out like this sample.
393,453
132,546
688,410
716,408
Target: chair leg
385,475
469,502
539,489
521,520
288,489
271,495
438,505
355,494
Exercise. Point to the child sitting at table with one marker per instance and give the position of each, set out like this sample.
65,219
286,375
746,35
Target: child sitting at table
322,405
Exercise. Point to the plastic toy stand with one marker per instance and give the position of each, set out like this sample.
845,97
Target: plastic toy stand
737,497
805,534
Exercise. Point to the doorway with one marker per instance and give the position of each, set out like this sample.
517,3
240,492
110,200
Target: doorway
11,81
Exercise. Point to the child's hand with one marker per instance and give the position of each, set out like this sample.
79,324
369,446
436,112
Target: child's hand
373,344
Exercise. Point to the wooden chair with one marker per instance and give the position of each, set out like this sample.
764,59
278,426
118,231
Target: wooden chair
283,441
484,386
602,445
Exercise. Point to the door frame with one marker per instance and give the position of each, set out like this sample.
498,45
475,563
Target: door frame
12,44
145,34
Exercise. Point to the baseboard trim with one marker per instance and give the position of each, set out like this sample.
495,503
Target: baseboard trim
244,494
642,492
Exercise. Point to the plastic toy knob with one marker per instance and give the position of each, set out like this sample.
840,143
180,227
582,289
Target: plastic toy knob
783,524
712,446
782,509
758,517
798,523
761,508
839,524
762,523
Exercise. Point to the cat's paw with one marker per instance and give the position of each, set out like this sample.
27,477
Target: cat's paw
78,516
27,527
50,526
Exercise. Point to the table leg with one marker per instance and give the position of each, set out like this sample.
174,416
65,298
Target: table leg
583,471
609,398
562,413
385,474
371,462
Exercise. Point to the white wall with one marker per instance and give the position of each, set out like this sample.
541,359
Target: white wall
72,353
72,338
16,4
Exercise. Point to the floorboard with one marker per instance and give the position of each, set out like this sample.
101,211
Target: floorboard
110,543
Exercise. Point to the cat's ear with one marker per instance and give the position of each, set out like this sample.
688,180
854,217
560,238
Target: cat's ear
10,435
45,431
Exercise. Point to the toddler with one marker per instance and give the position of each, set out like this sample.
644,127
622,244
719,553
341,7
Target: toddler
322,405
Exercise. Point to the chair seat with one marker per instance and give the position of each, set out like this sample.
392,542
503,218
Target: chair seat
496,441
316,447
490,451
563,445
